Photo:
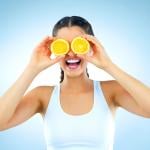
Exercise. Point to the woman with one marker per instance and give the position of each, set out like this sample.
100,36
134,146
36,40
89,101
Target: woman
79,113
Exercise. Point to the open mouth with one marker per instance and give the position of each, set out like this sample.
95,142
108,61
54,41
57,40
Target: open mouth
73,63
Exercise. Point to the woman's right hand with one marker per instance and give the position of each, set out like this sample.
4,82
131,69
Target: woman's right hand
41,59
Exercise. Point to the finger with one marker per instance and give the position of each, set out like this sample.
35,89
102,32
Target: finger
57,59
48,43
96,45
45,41
44,45
91,39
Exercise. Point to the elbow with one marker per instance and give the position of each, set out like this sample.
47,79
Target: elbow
3,123
146,114
2,127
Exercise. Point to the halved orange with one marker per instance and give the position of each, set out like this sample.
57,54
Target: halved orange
80,45
60,47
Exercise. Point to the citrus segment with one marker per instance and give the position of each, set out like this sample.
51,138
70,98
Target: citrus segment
80,45
60,47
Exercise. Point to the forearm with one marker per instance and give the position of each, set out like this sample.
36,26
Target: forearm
12,97
139,91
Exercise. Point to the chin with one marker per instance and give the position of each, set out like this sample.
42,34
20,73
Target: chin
74,74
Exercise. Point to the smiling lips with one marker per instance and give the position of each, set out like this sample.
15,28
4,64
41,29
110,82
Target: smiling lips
73,63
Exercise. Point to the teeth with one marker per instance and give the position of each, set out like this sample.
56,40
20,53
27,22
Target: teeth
73,61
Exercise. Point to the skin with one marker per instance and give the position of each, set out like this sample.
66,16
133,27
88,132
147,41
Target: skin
76,97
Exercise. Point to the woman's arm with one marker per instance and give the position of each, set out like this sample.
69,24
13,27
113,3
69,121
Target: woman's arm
129,93
12,97
130,90
14,106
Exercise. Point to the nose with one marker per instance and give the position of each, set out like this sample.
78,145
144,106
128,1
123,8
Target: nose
71,53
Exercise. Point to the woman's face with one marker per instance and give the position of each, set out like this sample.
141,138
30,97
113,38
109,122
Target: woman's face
72,65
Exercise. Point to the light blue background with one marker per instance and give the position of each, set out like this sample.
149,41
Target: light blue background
123,27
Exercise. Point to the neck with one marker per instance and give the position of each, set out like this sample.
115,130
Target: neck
76,84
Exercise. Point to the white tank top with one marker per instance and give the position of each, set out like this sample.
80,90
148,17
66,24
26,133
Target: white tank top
91,131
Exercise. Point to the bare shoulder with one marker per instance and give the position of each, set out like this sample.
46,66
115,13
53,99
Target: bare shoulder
44,94
108,89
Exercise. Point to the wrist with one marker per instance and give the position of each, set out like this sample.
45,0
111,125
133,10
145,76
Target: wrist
110,65
32,70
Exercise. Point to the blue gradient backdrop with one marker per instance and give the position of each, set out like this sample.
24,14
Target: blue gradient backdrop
123,27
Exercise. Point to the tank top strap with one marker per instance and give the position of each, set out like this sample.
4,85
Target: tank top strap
99,97
53,102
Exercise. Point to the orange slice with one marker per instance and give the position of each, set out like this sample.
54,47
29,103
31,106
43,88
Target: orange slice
80,45
59,47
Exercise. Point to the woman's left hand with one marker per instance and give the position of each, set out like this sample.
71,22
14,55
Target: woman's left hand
97,56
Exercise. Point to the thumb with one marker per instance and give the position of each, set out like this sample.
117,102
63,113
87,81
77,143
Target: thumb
57,59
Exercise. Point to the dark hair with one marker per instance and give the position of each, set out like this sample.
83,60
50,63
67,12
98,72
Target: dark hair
69,22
